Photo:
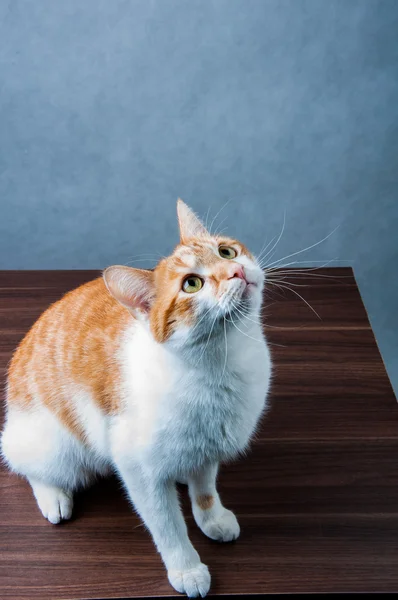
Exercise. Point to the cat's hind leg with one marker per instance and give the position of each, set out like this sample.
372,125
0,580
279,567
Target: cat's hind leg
36,446
55,503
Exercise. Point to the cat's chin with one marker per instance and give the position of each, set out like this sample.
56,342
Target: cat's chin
249,301
250,290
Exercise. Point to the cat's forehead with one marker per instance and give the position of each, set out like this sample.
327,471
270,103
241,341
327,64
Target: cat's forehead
203,252
195,253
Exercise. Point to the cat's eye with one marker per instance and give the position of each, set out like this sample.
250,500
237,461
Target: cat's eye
192,284
227,252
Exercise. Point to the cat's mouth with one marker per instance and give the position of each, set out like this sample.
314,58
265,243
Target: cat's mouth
246,286
239,295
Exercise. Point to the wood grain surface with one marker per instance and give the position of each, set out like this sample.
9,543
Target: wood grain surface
317,497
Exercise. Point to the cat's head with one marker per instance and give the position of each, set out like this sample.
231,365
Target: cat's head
208,278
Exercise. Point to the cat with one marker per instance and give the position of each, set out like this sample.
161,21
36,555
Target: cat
146,374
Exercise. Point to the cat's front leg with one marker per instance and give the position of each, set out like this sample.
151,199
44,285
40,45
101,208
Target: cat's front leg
216,521
157,503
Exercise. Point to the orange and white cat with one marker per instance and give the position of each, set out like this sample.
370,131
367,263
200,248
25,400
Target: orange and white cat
145,373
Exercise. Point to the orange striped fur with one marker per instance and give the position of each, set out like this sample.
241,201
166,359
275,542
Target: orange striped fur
74,341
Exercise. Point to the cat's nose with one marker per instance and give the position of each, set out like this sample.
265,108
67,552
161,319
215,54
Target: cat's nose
239,272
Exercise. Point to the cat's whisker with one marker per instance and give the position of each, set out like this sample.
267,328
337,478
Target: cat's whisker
259,321
221,209
293,271
302,262
259,258
220,231
246,316
144,257
150,254
273,253
266,326
211,331
226,349
272,280
201,319
279,237
305,249
312,279
131,262
309,272
297,274
272,291
252,338
207,218
299,295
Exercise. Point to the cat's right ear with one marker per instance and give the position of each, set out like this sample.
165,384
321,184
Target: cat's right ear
134,288
189,224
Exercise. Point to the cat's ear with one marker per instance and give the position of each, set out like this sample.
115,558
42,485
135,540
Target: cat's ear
134,288
190,225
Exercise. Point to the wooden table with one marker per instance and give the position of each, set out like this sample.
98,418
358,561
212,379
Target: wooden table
317,497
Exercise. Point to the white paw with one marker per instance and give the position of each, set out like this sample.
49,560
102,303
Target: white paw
55,504
224,528
192,582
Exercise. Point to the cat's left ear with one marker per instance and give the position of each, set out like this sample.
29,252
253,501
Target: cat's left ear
134,288
190,225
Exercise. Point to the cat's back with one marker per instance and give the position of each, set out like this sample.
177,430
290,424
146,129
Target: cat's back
73,341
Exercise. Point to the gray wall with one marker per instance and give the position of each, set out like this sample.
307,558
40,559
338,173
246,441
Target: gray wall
111,109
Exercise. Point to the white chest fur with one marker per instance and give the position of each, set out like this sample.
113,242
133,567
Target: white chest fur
179,414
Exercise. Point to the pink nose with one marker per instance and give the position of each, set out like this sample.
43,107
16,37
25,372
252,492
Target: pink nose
239,272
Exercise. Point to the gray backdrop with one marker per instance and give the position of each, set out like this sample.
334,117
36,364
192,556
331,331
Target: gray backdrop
110,109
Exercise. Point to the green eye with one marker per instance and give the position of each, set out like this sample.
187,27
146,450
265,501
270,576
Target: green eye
227,252
192,284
